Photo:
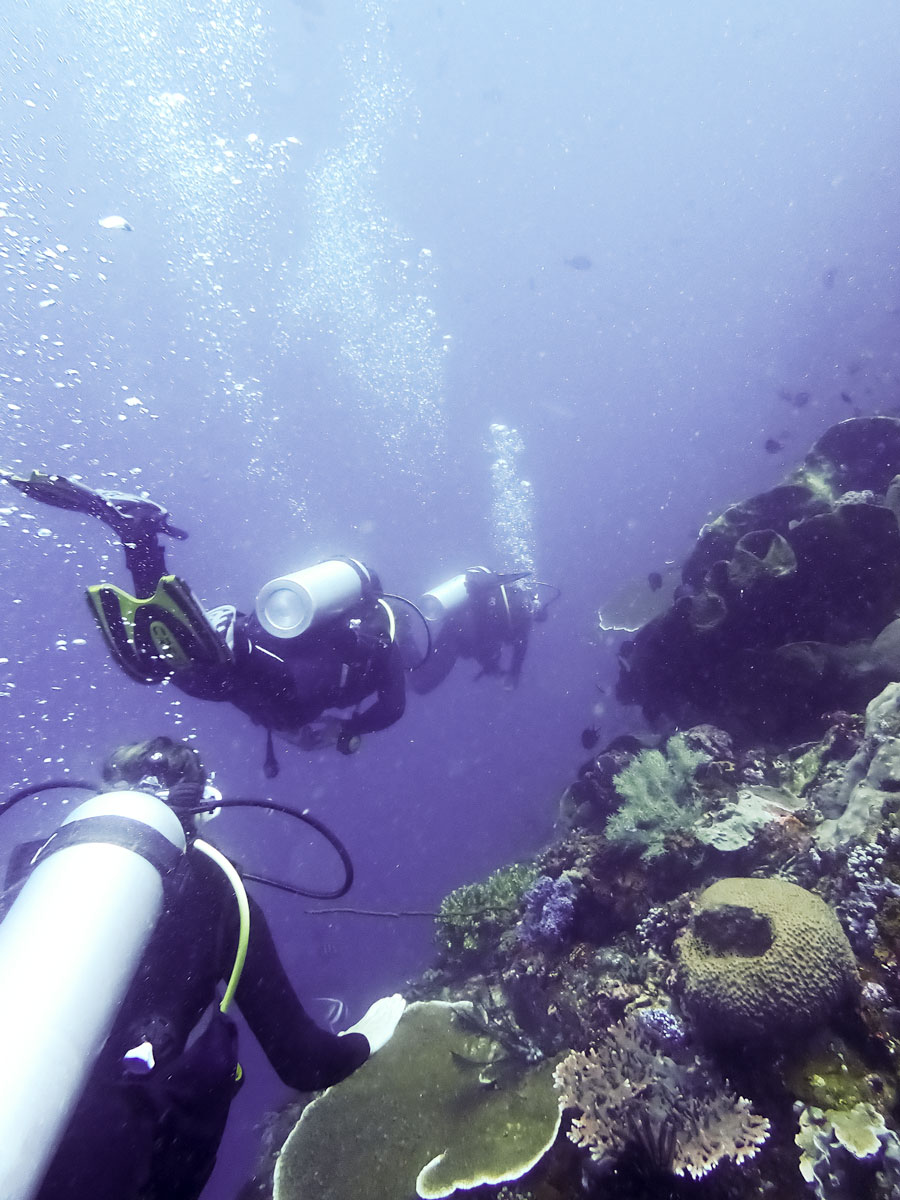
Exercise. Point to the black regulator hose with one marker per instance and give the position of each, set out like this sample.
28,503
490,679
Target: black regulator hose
308,819
183,796
35,789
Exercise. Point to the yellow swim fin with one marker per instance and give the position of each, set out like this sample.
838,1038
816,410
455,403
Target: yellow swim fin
151,638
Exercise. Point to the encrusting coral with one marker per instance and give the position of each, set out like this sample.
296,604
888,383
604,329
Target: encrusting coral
834,1142
670,1099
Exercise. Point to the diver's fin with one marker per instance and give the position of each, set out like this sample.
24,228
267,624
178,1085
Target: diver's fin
57,491
151,638
131,517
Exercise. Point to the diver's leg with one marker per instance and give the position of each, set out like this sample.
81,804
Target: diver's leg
136,521
145,558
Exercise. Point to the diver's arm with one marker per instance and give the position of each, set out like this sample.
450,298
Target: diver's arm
305,1056
389,705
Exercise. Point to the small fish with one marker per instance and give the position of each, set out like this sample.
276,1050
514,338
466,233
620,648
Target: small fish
334,1010
773,446
846,397
580,262
654,581
590,736
114,223
795,399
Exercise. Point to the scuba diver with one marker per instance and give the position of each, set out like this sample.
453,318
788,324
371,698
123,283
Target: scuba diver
321,639
120,1061
479,614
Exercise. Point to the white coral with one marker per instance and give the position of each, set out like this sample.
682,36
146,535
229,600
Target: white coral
625,1082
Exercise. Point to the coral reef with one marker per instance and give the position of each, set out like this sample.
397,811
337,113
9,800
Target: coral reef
548,911
833,1075
629,1089
856,800
475,916
864,893
713,934
763,958
834,1144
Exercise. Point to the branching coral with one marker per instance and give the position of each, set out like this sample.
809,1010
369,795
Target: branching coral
473,917
629,1090
656,789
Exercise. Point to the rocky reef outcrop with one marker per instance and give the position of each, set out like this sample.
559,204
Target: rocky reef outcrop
788,603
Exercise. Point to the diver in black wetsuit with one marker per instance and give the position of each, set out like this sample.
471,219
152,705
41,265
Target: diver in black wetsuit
153,1112
496,613
282,683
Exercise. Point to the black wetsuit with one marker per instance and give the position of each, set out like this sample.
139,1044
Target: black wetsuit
285,683
282,684
492,618
156,1137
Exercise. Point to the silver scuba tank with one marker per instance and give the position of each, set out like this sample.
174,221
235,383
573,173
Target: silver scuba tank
291,604
449,597
69,948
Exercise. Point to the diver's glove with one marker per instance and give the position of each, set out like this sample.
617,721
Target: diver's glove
317,735
378,1024
328,731
348,743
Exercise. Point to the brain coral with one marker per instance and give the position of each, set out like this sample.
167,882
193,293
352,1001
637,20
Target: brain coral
763,957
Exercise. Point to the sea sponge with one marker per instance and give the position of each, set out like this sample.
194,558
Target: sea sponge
763,958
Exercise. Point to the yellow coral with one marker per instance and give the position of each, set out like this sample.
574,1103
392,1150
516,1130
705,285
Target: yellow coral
763,957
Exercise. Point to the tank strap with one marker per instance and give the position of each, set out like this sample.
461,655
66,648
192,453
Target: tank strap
149,843
369,581
392,620
507,614
240,894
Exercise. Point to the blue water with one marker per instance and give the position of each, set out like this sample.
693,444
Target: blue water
362,233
